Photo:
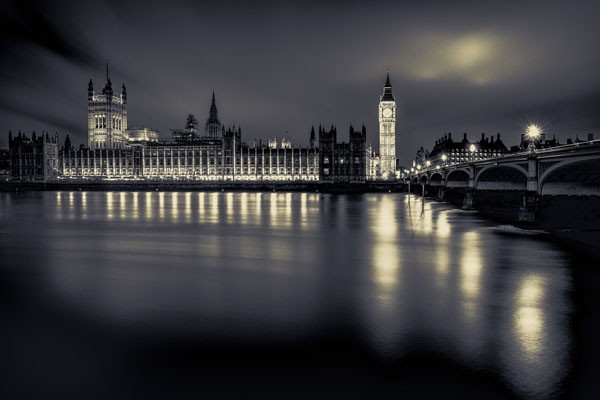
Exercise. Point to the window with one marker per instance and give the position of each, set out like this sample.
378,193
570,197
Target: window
325,160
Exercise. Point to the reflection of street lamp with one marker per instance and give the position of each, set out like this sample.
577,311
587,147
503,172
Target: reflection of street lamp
472,149
533,132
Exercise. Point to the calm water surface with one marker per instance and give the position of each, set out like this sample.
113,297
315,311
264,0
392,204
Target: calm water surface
367,281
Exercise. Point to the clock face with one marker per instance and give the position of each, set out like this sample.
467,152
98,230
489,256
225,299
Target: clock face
387,112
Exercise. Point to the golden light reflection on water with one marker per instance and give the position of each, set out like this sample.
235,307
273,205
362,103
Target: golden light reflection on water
471,265
135,206
229,209
148,206
122,206
529,315
174,205
110,205
243,208
443,228
187,210
84,206
385,226
386,266
214,208
161,205
386,257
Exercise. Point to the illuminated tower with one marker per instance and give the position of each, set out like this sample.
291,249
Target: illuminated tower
213,127
107,117
387,131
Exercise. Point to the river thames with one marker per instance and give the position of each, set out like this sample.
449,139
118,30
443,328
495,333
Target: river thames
157,293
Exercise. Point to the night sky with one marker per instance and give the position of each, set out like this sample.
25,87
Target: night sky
278,68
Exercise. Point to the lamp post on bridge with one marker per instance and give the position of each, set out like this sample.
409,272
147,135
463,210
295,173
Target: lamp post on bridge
533,132
472,149
529,205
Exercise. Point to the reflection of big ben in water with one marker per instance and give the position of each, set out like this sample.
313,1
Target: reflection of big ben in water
387,131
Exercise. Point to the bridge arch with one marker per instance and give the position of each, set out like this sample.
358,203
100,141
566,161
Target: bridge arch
435,179
424,179
572,177
502,177
458,178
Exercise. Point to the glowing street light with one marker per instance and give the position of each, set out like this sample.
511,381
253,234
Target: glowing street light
472,149
428,163
533,132
418,167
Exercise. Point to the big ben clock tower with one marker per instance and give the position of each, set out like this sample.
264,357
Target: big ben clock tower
387,132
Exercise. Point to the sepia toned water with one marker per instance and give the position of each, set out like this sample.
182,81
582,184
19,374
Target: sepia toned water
234,292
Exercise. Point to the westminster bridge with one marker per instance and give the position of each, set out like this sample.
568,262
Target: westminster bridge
556,188
563,170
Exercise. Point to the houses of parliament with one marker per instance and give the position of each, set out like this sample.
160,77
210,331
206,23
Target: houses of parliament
115,152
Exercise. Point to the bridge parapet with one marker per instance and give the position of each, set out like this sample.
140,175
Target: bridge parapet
570,169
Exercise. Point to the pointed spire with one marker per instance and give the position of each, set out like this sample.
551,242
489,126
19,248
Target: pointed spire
108,86
213,114
387,89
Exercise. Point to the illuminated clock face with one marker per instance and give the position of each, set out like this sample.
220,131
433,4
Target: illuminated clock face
387,112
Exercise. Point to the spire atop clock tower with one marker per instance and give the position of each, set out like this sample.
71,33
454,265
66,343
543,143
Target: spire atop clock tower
387,90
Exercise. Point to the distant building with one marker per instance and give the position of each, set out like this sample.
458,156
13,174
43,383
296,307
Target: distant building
189,133
4,165
115,152
139,135
460,151
341,161
107,117
33,158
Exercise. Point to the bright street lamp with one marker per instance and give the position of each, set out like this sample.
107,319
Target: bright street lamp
533,132
472,149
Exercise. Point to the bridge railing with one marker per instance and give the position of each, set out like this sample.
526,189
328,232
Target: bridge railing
556,149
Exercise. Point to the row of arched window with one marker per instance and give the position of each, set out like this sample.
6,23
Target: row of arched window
100,121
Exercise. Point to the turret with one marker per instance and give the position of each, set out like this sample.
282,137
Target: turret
124,93
90,90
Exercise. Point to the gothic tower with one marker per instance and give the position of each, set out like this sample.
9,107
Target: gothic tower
107,117
213,127
387,131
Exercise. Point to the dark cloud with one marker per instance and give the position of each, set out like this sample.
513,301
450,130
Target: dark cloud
281,67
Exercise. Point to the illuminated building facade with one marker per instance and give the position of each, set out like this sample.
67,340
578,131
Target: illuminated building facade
107,117
142,134
117,153
387,132
218,155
